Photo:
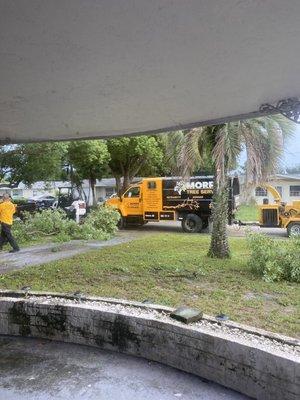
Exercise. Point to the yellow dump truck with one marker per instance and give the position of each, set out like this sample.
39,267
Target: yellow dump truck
280,214
169,199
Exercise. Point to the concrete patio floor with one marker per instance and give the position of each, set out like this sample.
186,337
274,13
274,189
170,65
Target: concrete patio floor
33,369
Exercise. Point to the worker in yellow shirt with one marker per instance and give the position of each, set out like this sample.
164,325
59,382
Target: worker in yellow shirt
7,210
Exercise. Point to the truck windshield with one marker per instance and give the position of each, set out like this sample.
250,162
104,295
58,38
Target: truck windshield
133,192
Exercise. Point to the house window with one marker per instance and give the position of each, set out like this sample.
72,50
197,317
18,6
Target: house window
261,192
279,190
16,193
295,191
109,191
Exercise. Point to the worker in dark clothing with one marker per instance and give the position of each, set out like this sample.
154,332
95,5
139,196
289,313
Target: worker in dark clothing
7,210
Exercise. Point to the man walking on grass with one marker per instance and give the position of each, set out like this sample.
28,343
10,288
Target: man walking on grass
7,210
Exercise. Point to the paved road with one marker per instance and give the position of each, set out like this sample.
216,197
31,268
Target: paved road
33,369
40,254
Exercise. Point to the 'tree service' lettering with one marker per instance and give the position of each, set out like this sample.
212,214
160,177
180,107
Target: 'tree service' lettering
200,185
182,186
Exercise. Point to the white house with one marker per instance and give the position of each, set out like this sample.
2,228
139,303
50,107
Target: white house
104,189
34,190
288,187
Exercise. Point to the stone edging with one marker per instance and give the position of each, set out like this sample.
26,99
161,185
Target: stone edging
146,330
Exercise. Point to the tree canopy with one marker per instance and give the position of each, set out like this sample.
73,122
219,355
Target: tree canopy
30,163
88,159
132,156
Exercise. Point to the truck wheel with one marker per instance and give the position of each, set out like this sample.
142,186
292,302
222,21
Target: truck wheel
191,223
122,223
293,229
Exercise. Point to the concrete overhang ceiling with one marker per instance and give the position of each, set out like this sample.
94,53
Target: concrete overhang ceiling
101,68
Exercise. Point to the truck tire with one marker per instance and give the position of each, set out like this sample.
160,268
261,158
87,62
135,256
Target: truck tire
122,223
191,223
293,229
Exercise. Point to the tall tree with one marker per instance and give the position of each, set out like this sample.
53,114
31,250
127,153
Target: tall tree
132,156
88,160
30,163
263,140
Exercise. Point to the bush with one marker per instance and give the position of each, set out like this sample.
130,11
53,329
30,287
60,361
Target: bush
274,260
41,224
100,224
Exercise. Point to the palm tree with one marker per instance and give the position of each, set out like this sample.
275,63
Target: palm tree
262,138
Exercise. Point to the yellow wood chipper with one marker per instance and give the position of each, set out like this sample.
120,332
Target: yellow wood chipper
280,214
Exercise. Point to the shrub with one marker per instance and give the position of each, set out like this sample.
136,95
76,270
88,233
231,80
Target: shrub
44,223
100,224
273,259
104,218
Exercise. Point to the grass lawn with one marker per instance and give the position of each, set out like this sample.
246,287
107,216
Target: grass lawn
247,213
172,269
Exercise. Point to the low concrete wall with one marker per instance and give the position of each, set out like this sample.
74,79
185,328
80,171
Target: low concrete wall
147,331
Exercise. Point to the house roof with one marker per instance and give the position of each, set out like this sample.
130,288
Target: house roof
45,185
79,69
277,177
287,177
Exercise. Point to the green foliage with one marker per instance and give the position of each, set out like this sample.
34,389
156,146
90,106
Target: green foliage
274,260
100,224
187,152
132,156
45,223
29,163
89,159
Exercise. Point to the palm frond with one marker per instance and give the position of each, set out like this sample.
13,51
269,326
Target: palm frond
287,127
226,150
263,139
189,157
172,142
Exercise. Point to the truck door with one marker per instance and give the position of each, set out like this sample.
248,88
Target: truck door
132,202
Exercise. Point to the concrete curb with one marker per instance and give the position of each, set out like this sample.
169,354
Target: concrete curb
251,370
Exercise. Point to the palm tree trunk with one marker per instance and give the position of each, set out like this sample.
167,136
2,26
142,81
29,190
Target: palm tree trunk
219,246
